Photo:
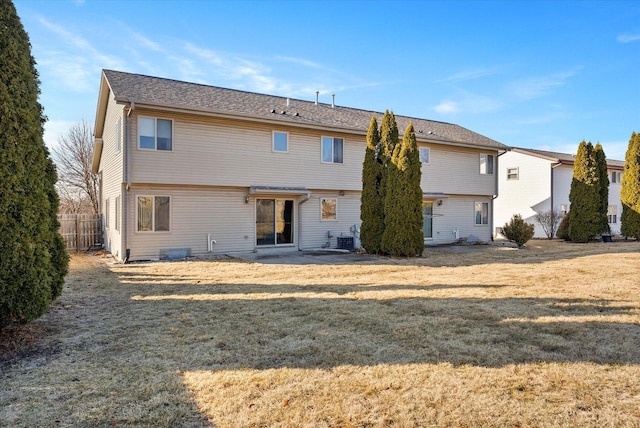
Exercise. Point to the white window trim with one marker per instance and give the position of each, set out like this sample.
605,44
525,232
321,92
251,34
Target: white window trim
106,213
488,214
328,219
293,224
153,214
155,144
428,149
273,142
118,208
118,137
613,208
493,163
332,151
517,173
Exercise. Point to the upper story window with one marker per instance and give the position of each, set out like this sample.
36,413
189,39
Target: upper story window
513,173
155,134
328,209
425,155
486,163
153,213
332,149
280,142
118,133
616,176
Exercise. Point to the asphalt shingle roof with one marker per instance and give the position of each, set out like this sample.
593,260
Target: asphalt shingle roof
157,91
565,157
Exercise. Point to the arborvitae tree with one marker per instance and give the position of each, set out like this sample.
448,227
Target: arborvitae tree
630,191
403,202
585,221
388,142
372,200
603,184
32,261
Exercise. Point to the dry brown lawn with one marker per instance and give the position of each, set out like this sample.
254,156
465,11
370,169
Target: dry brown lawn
547,336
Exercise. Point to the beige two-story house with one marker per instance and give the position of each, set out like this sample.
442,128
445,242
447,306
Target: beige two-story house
191,169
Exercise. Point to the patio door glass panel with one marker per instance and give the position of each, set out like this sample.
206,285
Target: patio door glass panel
427,216
274,221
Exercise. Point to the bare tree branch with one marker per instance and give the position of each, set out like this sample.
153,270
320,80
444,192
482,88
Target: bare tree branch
73,158
549,221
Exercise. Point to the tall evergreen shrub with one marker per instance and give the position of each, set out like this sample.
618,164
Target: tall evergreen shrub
630,191
403,202
372,200
585,221
603,183
33,260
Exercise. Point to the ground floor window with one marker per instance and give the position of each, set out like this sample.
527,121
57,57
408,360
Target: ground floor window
274,221
482,213
612,214
153,214
427,219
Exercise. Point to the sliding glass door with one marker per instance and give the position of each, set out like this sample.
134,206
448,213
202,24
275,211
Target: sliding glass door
274,221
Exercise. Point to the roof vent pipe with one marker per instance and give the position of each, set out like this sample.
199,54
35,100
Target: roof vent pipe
288,103
333,100
317,93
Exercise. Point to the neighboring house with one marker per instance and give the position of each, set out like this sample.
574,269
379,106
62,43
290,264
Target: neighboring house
190,169
533,181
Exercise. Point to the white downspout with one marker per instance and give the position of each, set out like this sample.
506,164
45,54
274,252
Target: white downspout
127,179
301,201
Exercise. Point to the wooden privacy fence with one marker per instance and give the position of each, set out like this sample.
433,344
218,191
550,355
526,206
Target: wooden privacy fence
81,232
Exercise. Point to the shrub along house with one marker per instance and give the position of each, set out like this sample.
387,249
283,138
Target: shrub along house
534,181
194,169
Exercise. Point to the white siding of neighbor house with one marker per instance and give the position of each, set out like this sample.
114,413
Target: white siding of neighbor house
562,177
529,194
112,173
614,200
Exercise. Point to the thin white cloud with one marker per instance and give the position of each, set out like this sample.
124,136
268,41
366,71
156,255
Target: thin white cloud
543,118
76,71
146,42
299,61
535,87
471,74
467,102
627,38
447,107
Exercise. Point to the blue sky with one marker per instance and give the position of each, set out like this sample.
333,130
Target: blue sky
532,74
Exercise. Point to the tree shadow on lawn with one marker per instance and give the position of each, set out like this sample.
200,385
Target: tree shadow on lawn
120,350
312,332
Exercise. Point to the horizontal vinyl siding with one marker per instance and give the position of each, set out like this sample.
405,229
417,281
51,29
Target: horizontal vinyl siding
454,170
457,213
314,231
111,167
195,213
232,154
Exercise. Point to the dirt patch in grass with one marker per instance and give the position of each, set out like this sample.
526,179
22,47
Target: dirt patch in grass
544,336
